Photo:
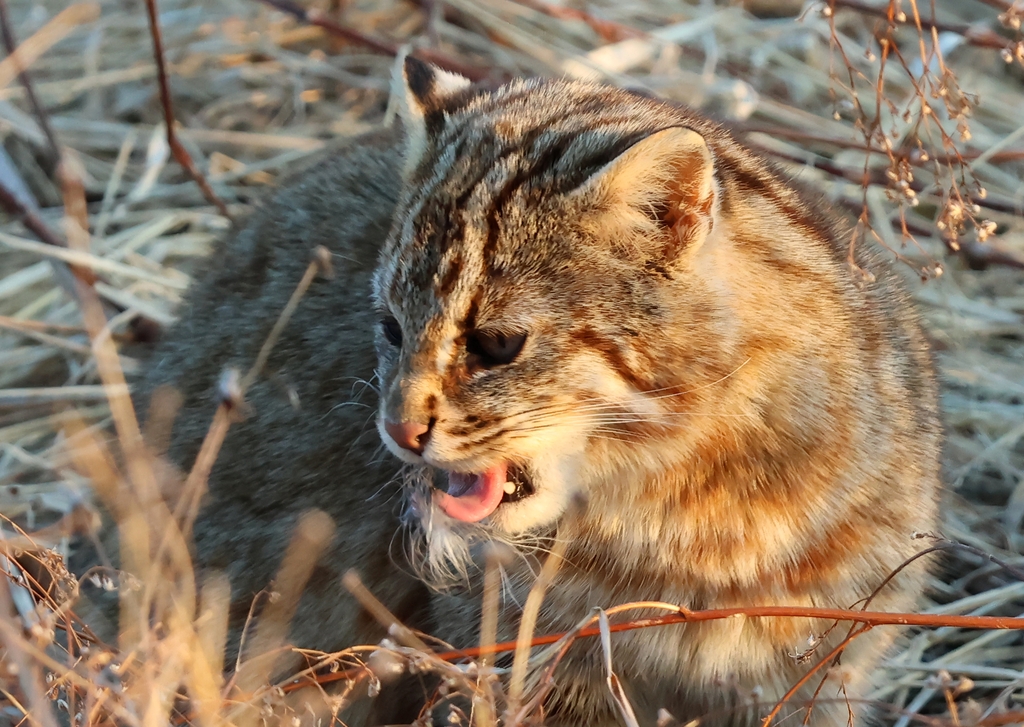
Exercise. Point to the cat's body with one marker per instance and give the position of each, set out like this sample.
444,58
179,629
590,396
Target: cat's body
596,296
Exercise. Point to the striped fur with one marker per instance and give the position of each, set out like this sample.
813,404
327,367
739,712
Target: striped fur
747,420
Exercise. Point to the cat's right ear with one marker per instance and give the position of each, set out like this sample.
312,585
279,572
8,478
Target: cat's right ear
421,89
662,187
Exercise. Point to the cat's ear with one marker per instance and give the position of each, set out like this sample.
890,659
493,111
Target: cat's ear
427,86
420,89
666,180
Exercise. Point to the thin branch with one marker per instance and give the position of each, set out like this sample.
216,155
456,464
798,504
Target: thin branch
878,177
11,46
181,155
681,615
872,618
912,156
825,660
981,37
20,663
14,207
609,30
319,19
998,4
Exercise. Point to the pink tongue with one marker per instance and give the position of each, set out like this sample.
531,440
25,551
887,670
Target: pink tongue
479,500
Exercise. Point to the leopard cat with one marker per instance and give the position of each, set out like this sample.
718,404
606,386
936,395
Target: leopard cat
562,297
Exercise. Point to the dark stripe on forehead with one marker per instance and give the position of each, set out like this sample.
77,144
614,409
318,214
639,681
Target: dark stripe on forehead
446,284
509,97
456,232
439,223
544,162
459,140
569,176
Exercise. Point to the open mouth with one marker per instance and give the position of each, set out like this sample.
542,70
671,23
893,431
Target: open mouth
471,497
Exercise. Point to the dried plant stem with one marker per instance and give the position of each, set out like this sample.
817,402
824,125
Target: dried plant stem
321,263
36,334
313,533
53,395
491,608
528,622
181,155
609,30
473,73
11,45
32,48
396,629
877,177
13,206
682,615
195,484
1015,717
483,694
974,35
79,520
23,325
824,661
194,488
39,711
913,157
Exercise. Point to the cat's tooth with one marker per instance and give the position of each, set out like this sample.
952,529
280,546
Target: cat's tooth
510,487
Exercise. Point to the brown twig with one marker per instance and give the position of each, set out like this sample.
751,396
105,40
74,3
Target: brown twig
314,17
912,156
872,618
998,4
684,616
11,45
829,657
1001,720
14,207
878,177
233,396
609,30
981,37
20,663
181,155
8,199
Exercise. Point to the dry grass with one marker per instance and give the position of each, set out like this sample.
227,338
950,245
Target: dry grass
907,114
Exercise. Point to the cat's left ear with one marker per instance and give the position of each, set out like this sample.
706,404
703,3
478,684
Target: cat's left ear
665,181
422,88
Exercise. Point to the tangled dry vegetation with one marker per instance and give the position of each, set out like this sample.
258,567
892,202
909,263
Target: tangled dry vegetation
907,114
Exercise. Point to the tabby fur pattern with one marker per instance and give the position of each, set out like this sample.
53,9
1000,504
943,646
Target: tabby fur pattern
744,410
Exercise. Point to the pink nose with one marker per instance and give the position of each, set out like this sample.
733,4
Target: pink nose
409,435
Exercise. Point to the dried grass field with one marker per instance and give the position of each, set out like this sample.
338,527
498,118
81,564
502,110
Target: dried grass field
907,114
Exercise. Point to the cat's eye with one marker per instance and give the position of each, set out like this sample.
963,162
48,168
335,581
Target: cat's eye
488,349
392,331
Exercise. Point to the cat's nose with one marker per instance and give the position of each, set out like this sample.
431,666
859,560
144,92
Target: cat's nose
409,435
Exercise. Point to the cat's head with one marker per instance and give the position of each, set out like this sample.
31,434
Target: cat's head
532,288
